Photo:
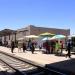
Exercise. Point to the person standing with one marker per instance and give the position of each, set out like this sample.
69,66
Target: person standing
19,46
61,46
12,46
52,46
47,47
57,47
29,43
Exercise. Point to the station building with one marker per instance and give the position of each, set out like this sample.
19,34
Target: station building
33,30
30,30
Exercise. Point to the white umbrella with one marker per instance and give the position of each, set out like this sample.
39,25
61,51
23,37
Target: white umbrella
31,36
58,37
46,38
20,38
47,34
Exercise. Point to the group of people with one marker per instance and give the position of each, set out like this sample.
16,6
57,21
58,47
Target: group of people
24,46
57,47
53,46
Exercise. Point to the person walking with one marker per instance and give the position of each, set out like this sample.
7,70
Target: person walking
69,46
24,46
12,46
32,48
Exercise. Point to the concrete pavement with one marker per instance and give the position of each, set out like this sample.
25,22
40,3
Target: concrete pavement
49,60
37,56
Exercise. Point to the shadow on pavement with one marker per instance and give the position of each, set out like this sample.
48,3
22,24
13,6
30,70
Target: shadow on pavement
67,66
6,73
61,55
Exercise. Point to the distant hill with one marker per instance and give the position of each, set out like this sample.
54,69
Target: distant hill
6,32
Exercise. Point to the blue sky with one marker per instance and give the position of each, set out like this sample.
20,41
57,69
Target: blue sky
16,14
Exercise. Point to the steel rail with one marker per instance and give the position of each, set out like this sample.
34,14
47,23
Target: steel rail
46,70
10,66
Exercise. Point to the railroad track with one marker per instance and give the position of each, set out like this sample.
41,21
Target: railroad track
19,66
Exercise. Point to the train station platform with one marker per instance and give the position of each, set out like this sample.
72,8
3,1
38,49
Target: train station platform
49,60
38,56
